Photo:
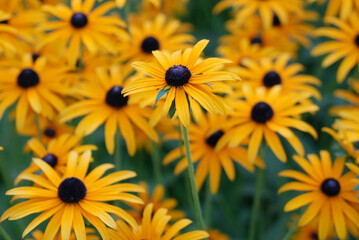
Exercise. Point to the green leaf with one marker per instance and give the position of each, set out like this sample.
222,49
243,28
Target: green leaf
172,110
163,92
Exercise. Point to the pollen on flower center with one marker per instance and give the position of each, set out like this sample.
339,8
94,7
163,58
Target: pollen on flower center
150,44
50,132
214,138
330,187
79,20
50,159
256,40
271,79
28,78
276,21
115,98
356,40
262,112
178,75
71,190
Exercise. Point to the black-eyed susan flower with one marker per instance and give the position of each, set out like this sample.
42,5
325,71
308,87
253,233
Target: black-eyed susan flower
310,232
348,122
168,7
38,235
344,44
269,72
104,102
215,234
351,96
180,76
81,25
266,9
265,113
156,198
203,140
55,153
147,35
70,198
328,193
155,225
342,7
35,85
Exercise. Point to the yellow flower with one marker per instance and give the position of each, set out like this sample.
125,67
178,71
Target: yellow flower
217,235
67,199
36,85
180,78
81,24
269,72
343,7
264,114
267,9
55,153
156,199
203,140
104,102
349,96
38,235
344,44
169,7
329,194
147,35
155,225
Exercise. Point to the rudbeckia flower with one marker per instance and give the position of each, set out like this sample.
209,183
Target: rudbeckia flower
348,122
351,96
342,7
203,140
329,194
179,76
36,85
70,198
148,35
155,225
168,7
38,235
264,114
156,198
266,9
55,153
81,24
217,235
269,72
104,102
344,44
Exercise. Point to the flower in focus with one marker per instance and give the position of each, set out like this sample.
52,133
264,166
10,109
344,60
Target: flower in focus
203,140
157,201
146,36
55,153
72,197
269,72
155,225
267,9
344,44
81,24
329,194
178,77
36,85
104,102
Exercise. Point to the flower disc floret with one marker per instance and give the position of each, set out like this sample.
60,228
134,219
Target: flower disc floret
271,79
28,78
79,20
115,98
256,40
330,187
261,112
150,44
50,132
50,159
178,75
214,138
71,190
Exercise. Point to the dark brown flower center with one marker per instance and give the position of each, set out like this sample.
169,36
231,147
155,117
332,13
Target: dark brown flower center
330,187
71,190
79,20
356,40
50,159
262,112
50,132
276,21
214,138
271,79
256,40
27,78
115,98
150,44
178,75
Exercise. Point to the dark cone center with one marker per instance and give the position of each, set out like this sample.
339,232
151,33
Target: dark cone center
256,40
79,20
271,79
35,56
28,78
71,190
214,138
50,159
150,44
262,112
115,98
330,187
4,22
178,75
314,236
356,40
50,132
276,21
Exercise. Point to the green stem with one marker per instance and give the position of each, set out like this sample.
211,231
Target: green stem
256,204
208,205
195,198
156,162
4,234
293,228
118,151
38,125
